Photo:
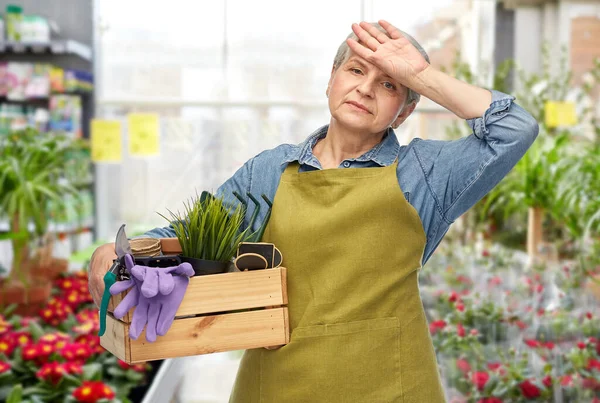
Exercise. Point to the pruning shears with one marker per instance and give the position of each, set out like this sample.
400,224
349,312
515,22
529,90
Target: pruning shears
117,270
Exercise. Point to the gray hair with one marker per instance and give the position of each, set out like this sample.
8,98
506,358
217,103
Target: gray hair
343,53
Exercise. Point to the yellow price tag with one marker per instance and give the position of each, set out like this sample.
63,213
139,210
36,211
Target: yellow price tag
106,140
143,134
560,114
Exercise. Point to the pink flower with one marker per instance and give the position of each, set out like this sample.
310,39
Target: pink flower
460,306
463,366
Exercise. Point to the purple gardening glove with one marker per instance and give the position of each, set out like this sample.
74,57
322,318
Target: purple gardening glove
161,292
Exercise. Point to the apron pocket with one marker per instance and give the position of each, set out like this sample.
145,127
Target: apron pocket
342,362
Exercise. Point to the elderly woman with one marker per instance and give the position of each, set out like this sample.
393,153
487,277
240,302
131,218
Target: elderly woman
356,216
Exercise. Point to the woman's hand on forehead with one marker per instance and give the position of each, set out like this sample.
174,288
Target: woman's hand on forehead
394,55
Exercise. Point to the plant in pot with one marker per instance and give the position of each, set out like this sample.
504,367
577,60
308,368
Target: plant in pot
31,171
533,186
209,233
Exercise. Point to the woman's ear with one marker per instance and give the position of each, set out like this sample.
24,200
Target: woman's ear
404,114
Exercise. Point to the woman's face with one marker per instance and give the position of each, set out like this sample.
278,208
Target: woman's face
363,98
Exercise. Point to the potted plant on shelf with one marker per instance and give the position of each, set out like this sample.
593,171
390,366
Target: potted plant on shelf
209,233
31,171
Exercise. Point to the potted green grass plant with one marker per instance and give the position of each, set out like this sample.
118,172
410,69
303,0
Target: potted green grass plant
209,232
31,179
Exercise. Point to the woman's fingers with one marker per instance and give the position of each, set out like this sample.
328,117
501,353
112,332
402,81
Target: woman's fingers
365,37
374,32
392,30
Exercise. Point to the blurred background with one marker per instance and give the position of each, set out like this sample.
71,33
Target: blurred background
112,112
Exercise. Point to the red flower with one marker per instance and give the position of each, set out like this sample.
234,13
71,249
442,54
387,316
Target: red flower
92,391
549,345
547,381
493,366
485,253
588,315
453,297
566,380
92,340
51,372
463,366
581,345
437,325
521,325
76,352
38,352
480,379
532,343
4,367
460,330
4,325
7,345
135,367
593,364
73,368
590,383
529,390
490,400
21,338
57,339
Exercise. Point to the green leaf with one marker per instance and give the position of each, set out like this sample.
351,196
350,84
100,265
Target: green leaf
91,371
16,394
36,330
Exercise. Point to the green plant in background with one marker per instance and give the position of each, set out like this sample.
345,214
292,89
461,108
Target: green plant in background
208,229
31,179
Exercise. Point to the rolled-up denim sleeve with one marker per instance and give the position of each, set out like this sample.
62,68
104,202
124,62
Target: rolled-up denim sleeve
239,182
465,170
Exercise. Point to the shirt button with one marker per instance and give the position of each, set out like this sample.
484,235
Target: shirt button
346,164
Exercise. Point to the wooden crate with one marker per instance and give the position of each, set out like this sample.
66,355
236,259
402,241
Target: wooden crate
220,312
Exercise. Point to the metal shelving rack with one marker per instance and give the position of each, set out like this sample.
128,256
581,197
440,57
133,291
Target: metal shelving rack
66,54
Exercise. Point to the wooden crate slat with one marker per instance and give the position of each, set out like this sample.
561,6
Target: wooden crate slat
227,292
212,334
116,339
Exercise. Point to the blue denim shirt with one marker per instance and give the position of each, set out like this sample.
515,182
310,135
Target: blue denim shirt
440,179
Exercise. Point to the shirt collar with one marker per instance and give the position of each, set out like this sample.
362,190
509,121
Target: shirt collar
384,153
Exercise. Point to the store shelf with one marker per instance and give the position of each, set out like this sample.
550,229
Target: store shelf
56,227
44,99
56,47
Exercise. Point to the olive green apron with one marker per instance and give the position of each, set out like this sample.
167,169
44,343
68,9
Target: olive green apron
353,246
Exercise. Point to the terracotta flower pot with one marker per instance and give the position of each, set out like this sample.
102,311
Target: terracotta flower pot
52,270
29,299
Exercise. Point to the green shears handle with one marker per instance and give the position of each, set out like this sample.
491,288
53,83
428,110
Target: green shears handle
109,279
